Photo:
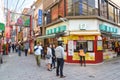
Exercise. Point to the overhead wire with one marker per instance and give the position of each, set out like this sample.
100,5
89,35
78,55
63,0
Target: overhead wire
21,5
16,5
11,5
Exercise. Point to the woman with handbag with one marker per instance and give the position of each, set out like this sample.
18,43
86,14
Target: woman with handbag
49,57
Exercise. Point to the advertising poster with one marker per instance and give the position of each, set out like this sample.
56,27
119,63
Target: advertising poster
99,45
70,48
89,56
90,45
65,56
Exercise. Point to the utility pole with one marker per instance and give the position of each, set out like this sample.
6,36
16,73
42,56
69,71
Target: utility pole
31,40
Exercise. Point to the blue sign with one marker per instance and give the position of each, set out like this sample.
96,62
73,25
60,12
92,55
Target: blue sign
40,17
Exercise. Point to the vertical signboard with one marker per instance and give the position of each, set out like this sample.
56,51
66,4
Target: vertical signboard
39,17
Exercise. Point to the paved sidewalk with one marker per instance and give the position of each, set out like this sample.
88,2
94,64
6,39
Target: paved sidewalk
25,68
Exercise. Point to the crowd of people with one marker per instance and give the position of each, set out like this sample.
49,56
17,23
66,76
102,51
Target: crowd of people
53,55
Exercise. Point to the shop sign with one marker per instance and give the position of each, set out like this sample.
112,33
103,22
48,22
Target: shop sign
50,31
87,38
40,17
106,28
19,21
82,26
47,32
99,45
62,28
2,26
56,30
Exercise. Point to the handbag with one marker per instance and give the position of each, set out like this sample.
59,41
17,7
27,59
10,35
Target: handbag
48,56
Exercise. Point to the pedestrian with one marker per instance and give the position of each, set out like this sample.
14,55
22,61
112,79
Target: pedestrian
37,51
9,47
19,49
13,47
26,47
59,52
42,52
53,57
1,60
49,57
82,55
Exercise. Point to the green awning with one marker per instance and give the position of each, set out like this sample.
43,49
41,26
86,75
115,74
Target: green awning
2,26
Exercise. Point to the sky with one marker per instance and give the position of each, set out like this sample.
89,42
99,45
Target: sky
12,4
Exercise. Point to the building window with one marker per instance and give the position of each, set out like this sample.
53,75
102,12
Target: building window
69,7
116,15
54,13
103,8
93,7
61,9
82,7
77,7
119,16
111,12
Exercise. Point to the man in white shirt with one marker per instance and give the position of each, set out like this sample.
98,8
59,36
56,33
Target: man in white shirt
37,51
59,52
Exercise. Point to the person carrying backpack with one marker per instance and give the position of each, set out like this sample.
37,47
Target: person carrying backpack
37,51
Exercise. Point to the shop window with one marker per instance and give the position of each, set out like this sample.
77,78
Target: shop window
108,45
86,44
